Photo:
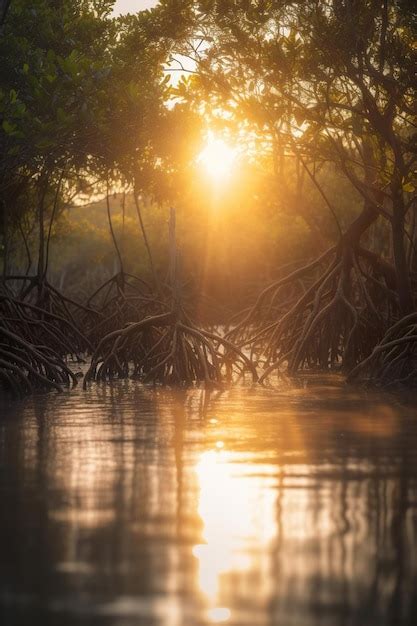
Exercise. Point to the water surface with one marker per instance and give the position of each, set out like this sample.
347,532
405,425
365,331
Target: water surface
127,505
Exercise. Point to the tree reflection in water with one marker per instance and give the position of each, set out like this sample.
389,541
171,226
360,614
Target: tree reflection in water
129,505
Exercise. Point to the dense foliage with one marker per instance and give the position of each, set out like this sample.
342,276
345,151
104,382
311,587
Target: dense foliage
310,242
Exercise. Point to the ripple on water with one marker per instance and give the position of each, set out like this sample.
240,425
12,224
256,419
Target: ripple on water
127,504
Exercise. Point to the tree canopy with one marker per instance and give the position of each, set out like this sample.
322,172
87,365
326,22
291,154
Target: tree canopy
312,231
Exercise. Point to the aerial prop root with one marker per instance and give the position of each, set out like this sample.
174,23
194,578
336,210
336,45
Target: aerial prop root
25,367
393,361
39,325
121,299
257,315
168,348
54,318
339,315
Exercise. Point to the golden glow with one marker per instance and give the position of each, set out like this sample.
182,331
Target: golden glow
235,508
267,513
217,158
219,614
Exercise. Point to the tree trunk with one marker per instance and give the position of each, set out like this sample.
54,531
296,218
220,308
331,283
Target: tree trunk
400,258
43,186
360,225
5,236
146,241
121,273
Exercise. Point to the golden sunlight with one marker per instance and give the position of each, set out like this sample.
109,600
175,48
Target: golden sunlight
219,614
235,507
217,157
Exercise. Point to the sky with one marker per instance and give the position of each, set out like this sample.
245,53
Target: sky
132,6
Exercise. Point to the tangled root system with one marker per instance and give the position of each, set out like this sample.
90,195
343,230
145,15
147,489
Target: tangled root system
328,313
168,348
34,343
393,361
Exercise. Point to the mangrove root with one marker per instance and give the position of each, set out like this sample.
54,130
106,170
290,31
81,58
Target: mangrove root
393,361
332,312
168,348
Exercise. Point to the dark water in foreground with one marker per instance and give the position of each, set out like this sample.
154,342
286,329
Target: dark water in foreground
132,506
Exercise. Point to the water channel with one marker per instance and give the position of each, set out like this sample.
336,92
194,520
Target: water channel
129,505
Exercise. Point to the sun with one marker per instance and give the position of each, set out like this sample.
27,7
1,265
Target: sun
217,158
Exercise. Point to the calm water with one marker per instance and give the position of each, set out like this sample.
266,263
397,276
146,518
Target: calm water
132,506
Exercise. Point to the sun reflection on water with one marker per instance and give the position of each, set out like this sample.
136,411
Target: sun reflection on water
236,509
164,509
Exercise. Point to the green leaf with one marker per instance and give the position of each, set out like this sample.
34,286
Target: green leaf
133,91
20,110
13,151
8,127
43,144
62,117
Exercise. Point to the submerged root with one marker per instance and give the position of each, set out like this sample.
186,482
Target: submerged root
168,348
